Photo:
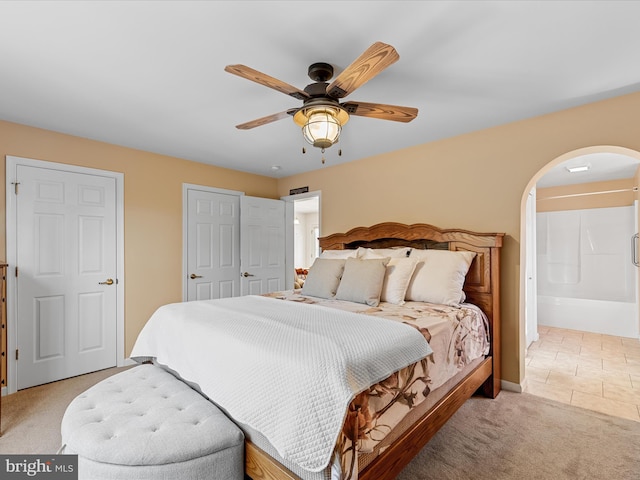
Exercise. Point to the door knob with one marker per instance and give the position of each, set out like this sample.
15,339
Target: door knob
109,281
247,274
193,276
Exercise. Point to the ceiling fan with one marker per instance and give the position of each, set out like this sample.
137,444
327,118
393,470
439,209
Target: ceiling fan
321,115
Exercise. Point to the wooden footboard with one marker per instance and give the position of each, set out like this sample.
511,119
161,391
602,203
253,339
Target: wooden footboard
260,466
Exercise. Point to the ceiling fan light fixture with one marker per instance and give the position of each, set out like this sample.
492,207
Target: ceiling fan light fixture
321,125
322,129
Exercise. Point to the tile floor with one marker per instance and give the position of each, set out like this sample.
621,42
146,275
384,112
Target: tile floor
588,370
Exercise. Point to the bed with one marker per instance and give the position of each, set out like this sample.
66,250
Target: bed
403,397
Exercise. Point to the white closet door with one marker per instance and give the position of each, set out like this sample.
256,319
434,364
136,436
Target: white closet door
262,245
213,241
66,284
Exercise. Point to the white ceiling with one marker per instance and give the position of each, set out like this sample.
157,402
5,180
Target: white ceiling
602,167
149,74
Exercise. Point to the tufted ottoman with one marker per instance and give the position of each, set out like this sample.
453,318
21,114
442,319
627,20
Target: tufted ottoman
145,424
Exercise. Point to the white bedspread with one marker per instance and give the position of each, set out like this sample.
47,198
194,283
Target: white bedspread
288,370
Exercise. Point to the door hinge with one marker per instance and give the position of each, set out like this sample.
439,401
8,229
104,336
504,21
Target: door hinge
17,354
15,186
16,271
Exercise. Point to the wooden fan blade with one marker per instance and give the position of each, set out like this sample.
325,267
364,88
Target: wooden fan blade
383,112
373,61
264,120
266,80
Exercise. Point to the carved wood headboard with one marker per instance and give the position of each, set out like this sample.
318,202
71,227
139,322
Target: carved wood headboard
482,283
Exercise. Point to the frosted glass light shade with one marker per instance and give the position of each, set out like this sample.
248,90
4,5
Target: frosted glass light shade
322,129
321,125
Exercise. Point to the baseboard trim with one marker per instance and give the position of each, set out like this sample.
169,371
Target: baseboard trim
511,387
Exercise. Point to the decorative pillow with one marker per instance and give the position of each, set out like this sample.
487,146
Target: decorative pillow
400,252
439,276
340,254
396,279
323,278
362,280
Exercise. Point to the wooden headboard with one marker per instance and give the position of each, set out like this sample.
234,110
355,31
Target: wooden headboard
482,283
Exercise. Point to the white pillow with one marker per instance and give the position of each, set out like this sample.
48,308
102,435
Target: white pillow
396,280
439,276
400,252
323,278
362,280
341,254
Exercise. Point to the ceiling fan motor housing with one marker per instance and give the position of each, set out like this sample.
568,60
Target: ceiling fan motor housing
320,72
318,89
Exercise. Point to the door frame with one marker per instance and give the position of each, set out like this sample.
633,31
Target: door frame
289,233
524,245
185,227
531,274
12,163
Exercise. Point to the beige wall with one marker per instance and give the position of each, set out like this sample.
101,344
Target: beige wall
474,181
152,208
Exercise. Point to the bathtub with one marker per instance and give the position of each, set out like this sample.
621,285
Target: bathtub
597,316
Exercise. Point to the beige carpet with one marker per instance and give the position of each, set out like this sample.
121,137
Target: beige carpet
31,417
521,436
516,436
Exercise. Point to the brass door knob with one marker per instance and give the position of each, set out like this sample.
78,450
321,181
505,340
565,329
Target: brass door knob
193,276
109,281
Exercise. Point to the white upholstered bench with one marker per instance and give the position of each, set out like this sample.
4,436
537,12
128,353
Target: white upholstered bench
145,424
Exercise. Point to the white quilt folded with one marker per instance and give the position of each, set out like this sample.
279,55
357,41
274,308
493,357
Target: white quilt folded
288,370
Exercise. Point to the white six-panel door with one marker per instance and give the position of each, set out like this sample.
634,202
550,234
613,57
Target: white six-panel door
221,227
262,245
213,241
66,283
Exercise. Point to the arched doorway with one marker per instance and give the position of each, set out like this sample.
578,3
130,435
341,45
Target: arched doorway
528,300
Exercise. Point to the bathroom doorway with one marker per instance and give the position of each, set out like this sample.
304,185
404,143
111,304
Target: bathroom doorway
586,245
303,231
582,236
306,231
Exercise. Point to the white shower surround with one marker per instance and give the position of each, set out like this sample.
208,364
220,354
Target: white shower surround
586,278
